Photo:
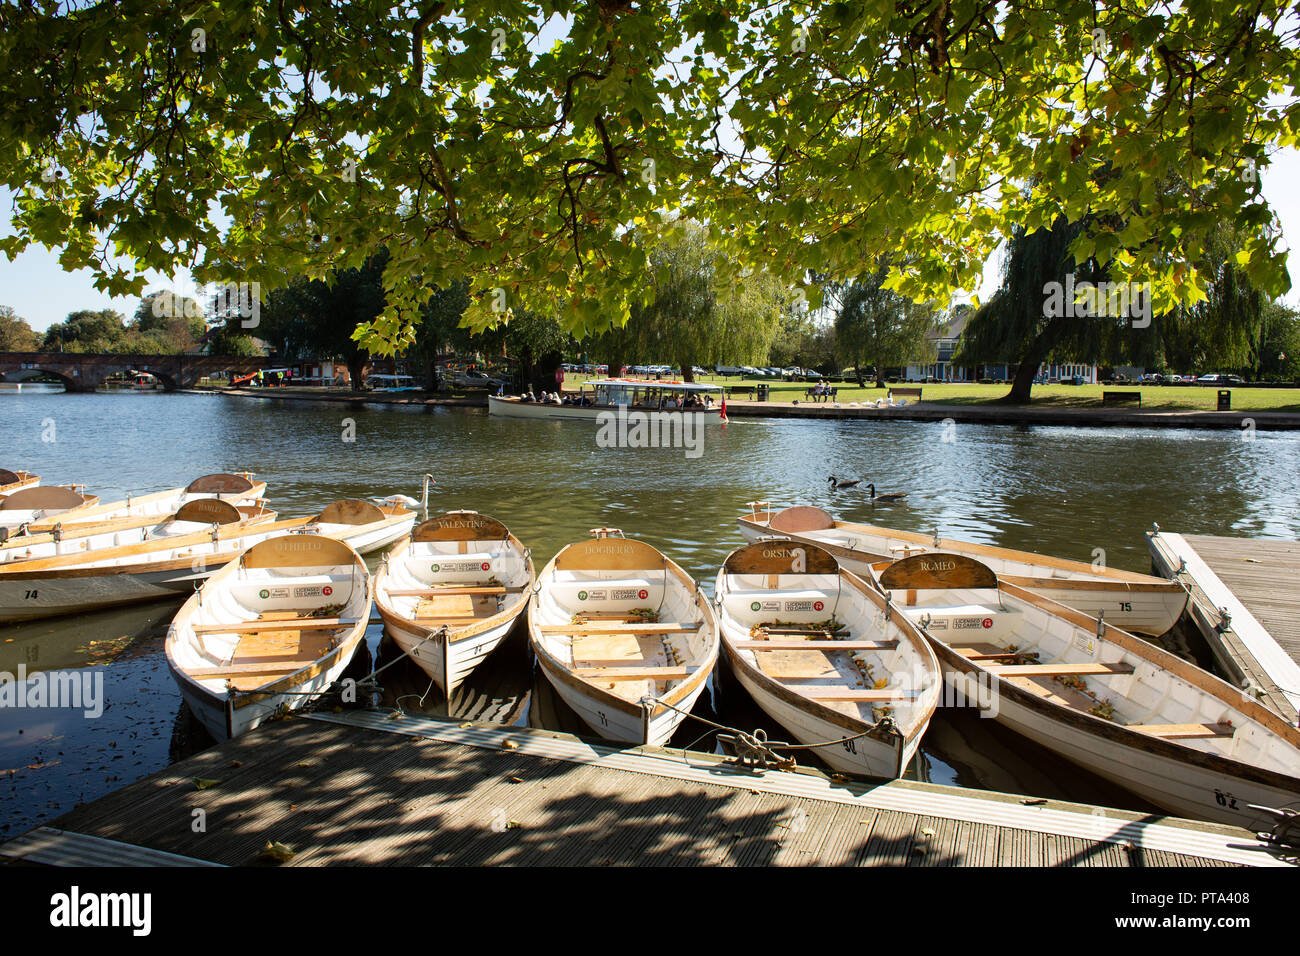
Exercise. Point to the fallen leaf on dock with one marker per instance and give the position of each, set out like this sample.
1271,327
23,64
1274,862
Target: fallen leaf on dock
236,763
509,745
1034,802
516,779
927,832
277,852
201,784
466,726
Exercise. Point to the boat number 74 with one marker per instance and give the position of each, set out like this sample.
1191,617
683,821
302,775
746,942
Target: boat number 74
30,594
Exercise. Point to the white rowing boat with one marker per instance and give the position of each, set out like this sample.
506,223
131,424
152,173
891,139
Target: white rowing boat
41,503
87,537
235,488
1110,702
624,635
270,631
452,591
824,655
11,481
1135,602
172,567
638,404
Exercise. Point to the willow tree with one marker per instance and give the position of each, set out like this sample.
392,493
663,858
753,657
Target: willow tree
698,310
519,145
876,327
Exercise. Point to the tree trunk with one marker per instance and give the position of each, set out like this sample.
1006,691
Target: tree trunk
356,365
857,374
880,376
688,372
1022,382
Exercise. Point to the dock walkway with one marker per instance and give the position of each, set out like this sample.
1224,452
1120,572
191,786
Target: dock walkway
360,787
1255,581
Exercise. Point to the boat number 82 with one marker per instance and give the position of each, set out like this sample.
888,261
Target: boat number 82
1225,799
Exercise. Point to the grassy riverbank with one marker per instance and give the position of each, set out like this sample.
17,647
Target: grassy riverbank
1158,397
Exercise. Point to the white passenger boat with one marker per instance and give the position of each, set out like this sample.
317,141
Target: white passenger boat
171,567
621,396
1124,709
452,591
824,655
1135,602
235,488
624,635
269,631
86,537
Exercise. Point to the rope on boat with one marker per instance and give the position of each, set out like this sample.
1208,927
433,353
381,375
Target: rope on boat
755,748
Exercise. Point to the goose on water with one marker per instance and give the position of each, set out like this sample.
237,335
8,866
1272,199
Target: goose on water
844,483
886,497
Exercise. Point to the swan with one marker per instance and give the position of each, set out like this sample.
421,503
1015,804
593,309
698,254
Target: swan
409,502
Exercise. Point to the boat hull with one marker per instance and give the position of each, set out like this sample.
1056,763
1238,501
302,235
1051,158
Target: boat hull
446,659
1169,781
32,596
511,408
1144,608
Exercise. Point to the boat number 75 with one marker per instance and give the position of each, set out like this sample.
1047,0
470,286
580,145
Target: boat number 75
1125,606
1225,799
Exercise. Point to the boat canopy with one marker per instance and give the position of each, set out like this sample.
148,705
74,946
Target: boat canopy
643,383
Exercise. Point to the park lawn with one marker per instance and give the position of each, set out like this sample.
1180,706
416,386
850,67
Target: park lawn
1158,397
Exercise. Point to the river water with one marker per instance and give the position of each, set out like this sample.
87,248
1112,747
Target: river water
1063,491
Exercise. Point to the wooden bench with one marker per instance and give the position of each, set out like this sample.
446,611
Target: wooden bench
1121,398
816,645
747,390
905,393
468,589
288,624
633,673
617,628
1058,670
1185,731
856,695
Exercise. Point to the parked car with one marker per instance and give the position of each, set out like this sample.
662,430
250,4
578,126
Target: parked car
1220,378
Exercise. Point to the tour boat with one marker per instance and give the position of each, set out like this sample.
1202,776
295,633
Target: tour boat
39,503
1128,711
620,395
11,481
452,591
1135,602
624,635
173,566
824,655
269,631
235,488
85,538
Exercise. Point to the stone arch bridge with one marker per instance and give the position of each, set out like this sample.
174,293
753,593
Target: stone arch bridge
81,372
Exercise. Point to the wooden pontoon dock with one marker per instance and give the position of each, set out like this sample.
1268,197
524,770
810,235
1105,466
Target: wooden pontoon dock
362,787
1245,601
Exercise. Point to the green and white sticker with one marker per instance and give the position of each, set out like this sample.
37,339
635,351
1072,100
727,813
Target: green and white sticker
436,568
582,595
756,606
264,594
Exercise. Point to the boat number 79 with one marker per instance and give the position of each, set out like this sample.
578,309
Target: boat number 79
1125,606
1225,799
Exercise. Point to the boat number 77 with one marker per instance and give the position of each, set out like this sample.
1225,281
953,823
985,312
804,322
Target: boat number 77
1125,606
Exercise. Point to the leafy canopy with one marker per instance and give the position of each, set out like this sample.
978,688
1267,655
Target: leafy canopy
518,144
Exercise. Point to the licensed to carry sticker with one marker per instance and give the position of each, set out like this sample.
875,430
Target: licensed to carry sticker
307,591
798,605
